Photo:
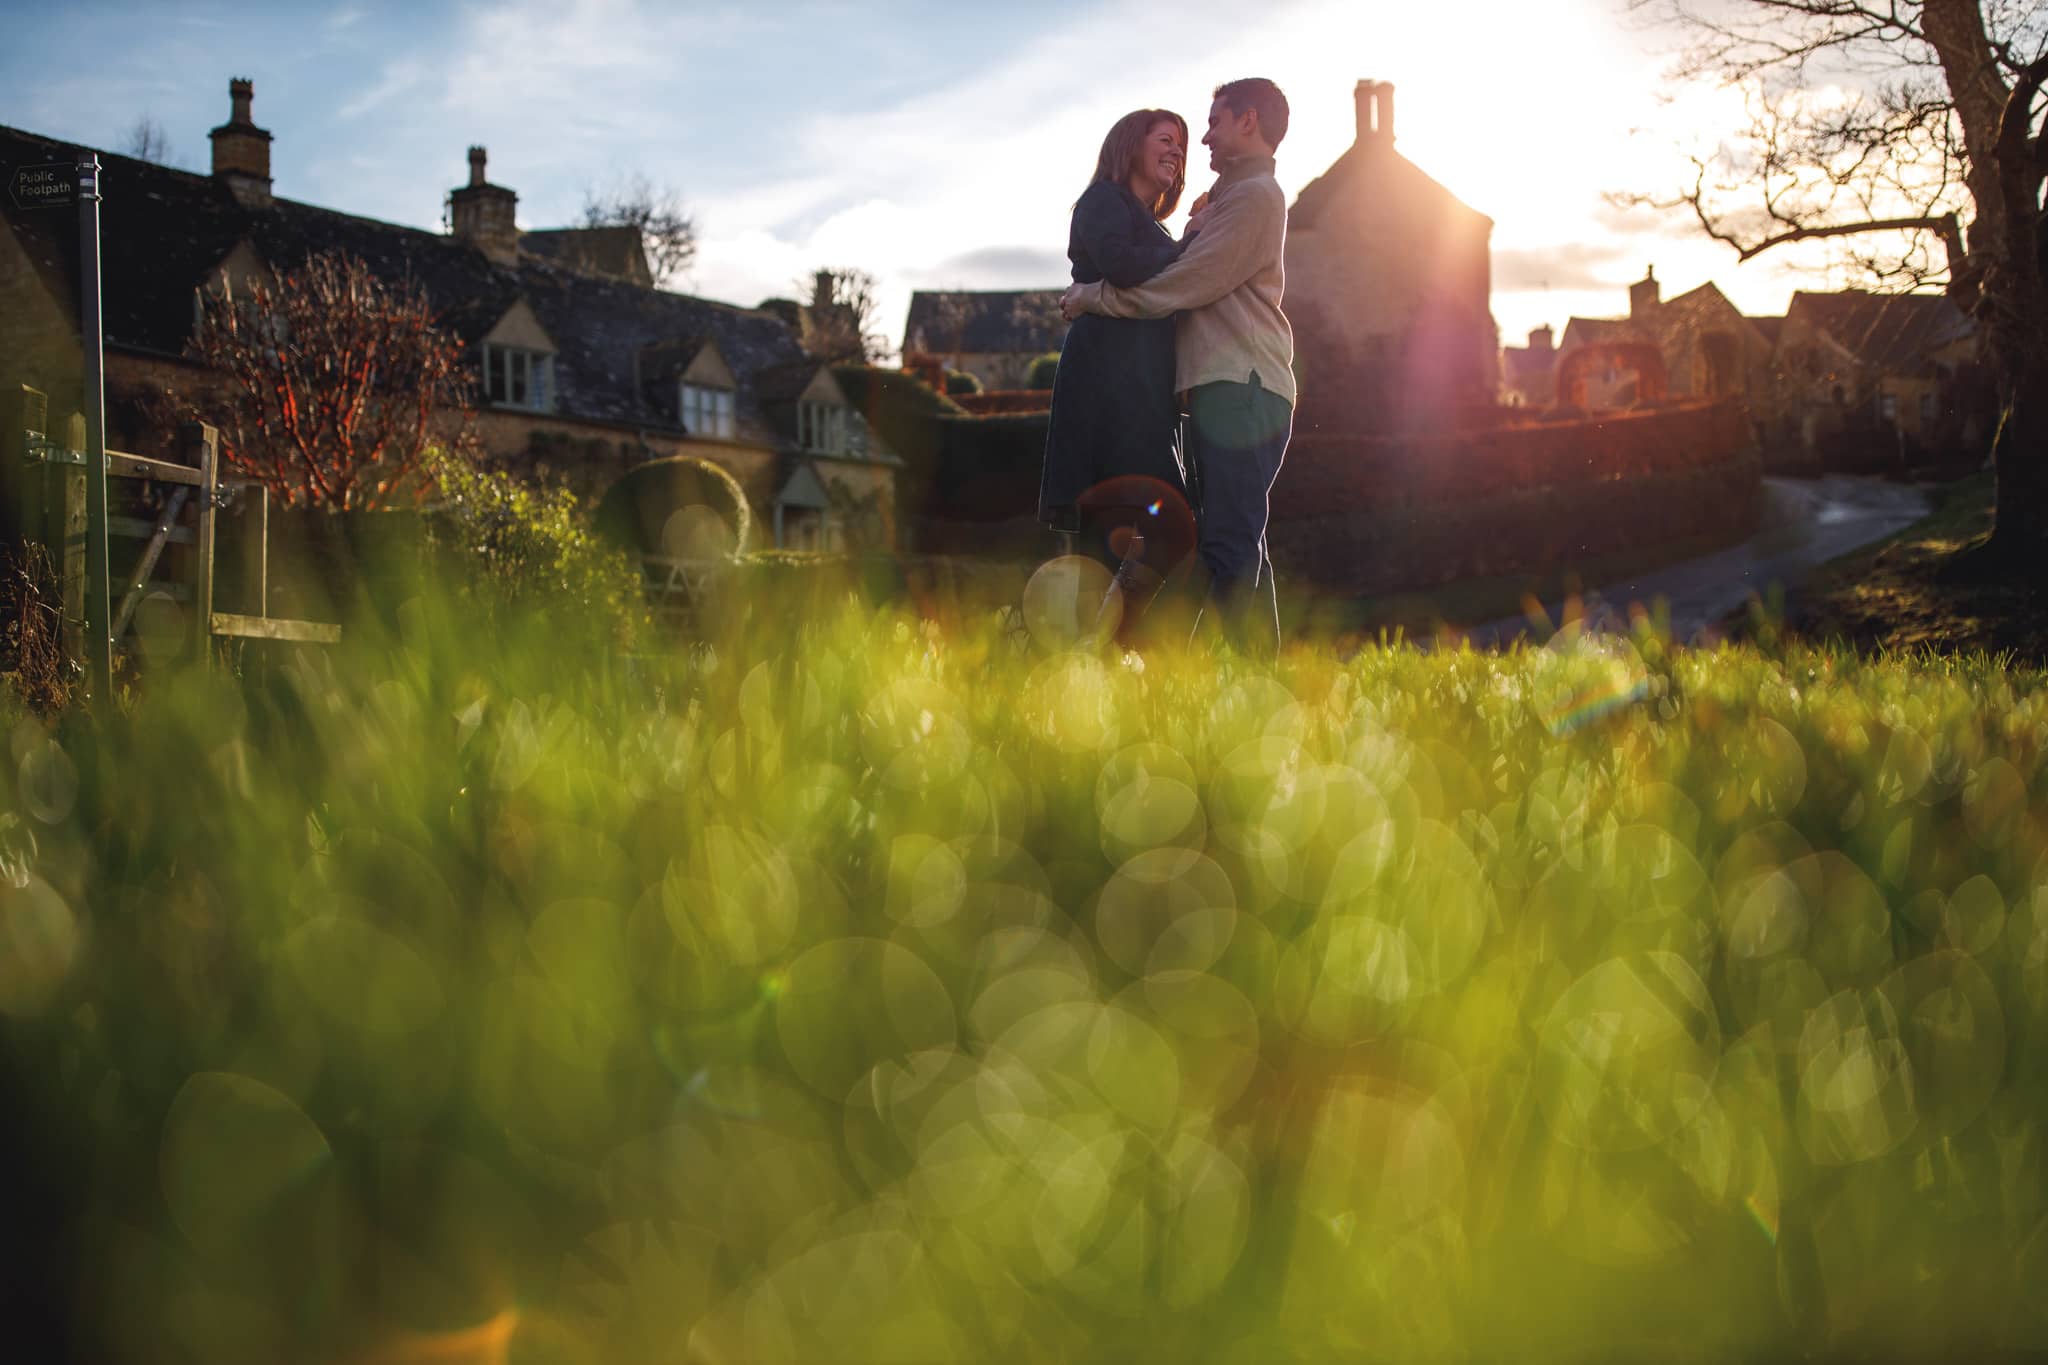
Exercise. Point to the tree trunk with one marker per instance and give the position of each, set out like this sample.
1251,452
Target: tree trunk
1955,30
2001,284
2019,535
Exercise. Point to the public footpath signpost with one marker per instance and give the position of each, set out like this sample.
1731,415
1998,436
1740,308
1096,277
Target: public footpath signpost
60,185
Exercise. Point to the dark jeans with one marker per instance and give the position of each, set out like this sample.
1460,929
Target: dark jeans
1236,437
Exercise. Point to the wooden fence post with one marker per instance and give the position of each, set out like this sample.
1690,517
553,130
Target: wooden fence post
50,507
201,446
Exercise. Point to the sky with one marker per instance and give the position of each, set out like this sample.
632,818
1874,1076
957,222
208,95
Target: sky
933,145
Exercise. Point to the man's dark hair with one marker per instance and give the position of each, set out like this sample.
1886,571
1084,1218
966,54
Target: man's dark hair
1256,92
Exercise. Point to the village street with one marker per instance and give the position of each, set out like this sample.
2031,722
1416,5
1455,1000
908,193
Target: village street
1806,523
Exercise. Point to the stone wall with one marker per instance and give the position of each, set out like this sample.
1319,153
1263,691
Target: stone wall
38,341
1365,515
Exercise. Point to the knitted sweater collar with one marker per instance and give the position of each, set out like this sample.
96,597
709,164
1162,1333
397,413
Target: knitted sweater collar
1243,168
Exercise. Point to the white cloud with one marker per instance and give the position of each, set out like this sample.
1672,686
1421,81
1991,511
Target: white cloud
790,142
393,86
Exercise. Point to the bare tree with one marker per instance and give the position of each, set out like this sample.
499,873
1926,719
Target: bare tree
668,234
1929,173
333,384
147,141
1037,312
844,317
946,333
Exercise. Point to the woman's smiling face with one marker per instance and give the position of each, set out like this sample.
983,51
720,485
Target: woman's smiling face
1162,155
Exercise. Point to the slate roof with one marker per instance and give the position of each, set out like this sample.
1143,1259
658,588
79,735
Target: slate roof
990,321
1695,310
786,382
164,231
1888,332
1597,331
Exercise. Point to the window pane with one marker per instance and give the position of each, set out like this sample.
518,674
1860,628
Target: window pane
516,380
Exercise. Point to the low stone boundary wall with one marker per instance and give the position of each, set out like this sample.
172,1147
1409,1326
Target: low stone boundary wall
1370,514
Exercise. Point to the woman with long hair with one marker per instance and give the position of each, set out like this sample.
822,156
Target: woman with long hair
1112,469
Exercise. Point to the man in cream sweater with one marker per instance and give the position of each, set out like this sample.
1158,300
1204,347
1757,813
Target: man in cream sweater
1234,350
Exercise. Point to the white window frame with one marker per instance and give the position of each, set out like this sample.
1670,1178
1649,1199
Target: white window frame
822,427
706,410
515,377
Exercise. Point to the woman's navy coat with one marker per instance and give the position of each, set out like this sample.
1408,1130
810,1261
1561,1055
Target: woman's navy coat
1113,406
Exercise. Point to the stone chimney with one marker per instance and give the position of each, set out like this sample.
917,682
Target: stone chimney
1542,339
483,213
1375,101
1644,296
241,150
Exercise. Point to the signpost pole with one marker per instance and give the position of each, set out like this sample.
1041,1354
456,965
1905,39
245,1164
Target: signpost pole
99,645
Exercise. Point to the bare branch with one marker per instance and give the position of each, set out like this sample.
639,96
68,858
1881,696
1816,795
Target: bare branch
667,233
334,384
147,141
1951,234
2016,121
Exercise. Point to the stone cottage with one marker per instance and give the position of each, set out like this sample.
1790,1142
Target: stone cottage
1708,348
583,369
992,334
1896,374
1389,278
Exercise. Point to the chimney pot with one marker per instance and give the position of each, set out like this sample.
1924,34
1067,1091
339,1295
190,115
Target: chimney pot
1375,104
1644,295
241,150
485,214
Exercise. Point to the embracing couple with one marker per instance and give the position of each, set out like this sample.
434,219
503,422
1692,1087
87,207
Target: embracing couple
1174,397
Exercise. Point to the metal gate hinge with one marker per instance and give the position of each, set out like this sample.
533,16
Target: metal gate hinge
44,450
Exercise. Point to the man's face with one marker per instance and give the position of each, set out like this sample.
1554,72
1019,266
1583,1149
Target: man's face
1230,135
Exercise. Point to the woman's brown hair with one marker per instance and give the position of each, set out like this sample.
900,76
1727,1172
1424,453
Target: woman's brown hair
1120,152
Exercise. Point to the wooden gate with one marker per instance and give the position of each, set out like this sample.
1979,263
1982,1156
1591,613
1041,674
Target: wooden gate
162,521
676,590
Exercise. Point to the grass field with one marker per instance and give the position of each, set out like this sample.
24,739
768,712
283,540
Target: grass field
848,990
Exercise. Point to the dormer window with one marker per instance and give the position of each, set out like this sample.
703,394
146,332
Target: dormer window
821,427
518,378
707,411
